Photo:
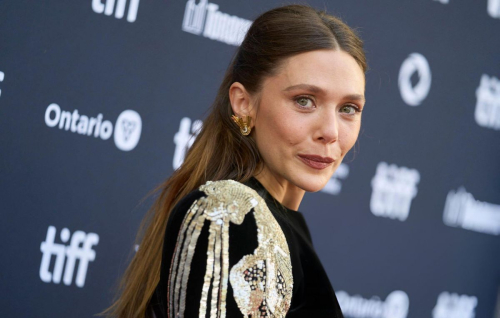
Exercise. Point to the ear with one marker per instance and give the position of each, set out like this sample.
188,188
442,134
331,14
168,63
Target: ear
241,101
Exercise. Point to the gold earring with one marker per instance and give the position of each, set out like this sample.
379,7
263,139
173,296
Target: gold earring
244,125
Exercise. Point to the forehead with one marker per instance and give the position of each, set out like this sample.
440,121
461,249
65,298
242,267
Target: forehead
334,71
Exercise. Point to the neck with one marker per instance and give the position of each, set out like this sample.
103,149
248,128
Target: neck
281,189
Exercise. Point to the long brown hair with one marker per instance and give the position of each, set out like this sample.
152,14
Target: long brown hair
220,151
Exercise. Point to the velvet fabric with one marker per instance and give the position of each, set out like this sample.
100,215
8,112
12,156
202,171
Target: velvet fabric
312,296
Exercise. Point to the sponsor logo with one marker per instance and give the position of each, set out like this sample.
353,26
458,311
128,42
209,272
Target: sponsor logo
184,139
99,7
396,305
454,306
393,189
494,8
2,76
79,248
205,19
333,186
462,210
487,112
413,95
128,126
128,130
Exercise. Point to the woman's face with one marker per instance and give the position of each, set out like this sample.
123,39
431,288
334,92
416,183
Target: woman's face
309,117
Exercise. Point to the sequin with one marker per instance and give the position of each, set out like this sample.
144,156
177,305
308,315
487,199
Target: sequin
262,282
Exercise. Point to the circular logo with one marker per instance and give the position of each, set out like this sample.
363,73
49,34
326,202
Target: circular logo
414,95
128,130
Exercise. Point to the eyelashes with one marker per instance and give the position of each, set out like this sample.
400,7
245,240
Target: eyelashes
353,107
296,99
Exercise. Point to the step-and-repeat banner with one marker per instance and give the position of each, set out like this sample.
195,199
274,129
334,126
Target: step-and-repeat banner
99,99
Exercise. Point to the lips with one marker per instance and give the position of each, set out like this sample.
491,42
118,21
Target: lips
316,162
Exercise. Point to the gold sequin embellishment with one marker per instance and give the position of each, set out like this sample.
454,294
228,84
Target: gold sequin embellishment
262,282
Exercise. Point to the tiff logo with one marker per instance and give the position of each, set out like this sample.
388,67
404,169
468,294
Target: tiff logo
80,248
454,306
184,139
393,190
487,112
108,8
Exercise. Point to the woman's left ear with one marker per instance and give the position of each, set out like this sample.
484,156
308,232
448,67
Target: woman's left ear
241,101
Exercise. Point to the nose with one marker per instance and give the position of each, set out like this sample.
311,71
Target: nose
328,128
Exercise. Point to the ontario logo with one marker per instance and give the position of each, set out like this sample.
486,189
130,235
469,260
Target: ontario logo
396,305
127,130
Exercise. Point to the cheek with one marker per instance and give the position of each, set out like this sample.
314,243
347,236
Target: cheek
291,130
280,126
348,135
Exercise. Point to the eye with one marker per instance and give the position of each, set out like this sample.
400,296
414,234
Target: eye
349,109
304,102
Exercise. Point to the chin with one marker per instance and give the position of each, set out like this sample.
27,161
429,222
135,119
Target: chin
312,183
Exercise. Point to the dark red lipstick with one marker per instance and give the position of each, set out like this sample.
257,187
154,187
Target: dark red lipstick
316,162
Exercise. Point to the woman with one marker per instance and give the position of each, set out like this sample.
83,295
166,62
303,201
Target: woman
224,237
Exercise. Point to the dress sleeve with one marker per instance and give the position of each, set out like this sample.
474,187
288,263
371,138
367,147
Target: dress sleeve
195,268
213,264
195,280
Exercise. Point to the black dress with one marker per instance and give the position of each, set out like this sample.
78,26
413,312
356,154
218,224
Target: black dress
232,250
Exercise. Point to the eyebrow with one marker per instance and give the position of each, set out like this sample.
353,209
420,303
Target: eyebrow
319,90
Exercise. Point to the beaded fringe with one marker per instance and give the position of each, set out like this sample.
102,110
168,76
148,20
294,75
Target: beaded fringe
262,282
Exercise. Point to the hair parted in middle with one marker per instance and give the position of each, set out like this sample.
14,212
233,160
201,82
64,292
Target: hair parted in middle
220,151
